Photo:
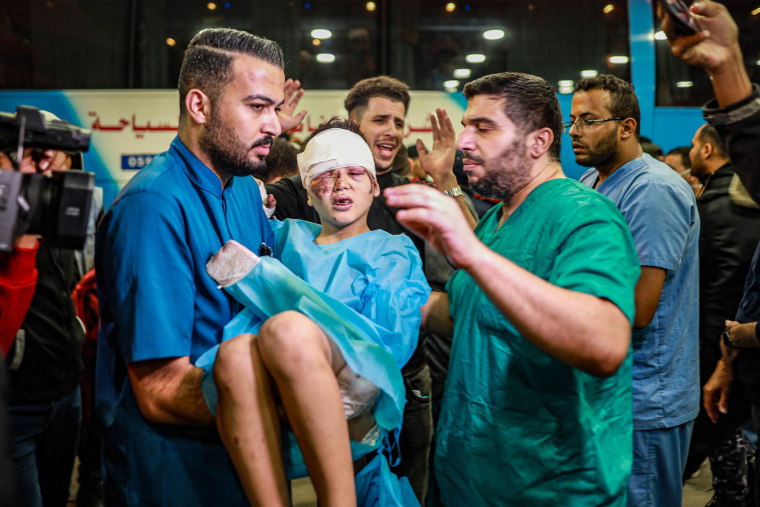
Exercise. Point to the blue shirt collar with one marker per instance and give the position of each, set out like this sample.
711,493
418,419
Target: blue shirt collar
198,172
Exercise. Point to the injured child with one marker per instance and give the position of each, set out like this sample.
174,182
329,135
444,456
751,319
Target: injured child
309,372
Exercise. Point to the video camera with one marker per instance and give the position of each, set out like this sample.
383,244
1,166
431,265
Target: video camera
57,205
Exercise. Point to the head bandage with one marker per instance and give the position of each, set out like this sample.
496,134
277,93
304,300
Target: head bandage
334,149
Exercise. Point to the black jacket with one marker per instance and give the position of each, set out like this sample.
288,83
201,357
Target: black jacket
727,240
48,359
739,128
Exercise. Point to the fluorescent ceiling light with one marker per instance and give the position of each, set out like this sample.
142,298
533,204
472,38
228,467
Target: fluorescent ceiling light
451,83
321,33
325,57
493,34
618,59
660,35
475,58
589,73
685,84
566,82
462,73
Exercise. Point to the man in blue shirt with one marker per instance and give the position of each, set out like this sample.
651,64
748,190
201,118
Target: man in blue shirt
661,212
159,309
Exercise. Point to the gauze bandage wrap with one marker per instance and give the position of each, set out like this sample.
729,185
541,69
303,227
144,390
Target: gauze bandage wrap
333,149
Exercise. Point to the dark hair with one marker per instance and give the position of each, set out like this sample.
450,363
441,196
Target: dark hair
208,59
708,134
531,102
281,161
335,123
652,149
623,100
683,151
380,86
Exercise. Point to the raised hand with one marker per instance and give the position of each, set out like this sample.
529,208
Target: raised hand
439,162
293,94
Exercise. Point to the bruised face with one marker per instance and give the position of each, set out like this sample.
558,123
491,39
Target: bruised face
342,198
243,120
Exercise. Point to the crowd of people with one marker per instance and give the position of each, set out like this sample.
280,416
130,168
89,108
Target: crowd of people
366,316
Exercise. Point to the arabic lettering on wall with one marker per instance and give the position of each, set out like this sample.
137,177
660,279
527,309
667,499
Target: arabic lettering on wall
140,128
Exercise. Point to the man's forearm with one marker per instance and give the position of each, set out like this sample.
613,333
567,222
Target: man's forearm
449,182
435,315
730,81
584,331
744,336
168,391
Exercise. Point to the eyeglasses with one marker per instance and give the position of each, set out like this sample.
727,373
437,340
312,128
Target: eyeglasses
583,123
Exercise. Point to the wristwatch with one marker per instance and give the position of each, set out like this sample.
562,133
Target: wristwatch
454,192
727,338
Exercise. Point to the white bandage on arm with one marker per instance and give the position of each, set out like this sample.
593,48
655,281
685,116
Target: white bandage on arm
358,393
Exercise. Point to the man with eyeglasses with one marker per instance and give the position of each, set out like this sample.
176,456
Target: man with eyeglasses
661,212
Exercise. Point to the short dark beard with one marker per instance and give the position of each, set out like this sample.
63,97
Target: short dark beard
600,154
227,154
505,176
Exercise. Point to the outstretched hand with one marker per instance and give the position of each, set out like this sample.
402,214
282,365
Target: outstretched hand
717,43
437,219
439,162
293,94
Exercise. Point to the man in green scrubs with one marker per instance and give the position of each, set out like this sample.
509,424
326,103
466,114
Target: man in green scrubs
537,408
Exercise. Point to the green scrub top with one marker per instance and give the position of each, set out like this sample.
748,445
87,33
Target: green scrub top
517,426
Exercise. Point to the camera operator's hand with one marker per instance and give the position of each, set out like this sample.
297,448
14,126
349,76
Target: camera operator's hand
36,161
44,161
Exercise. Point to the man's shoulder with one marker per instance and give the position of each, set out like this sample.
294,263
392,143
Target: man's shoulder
650,171
575,197
589,177
163,176
648,180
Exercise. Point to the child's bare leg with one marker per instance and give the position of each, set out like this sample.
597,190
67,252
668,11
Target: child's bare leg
248,422
303,362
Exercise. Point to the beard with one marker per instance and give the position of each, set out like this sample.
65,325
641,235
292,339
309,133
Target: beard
600,154
506,175
227,153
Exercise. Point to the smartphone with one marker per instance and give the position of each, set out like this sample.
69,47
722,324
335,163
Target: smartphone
681,18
